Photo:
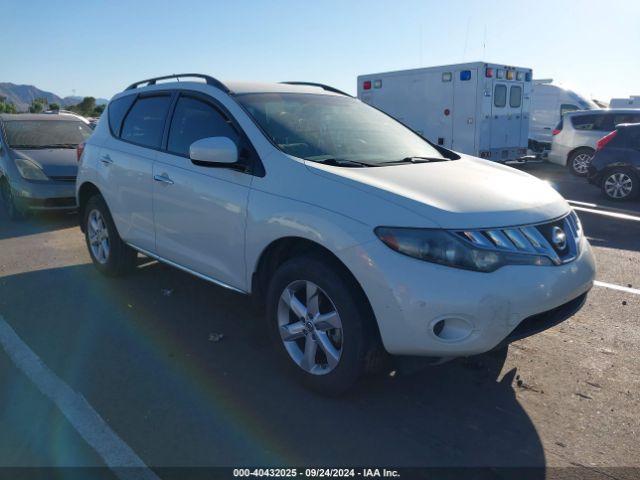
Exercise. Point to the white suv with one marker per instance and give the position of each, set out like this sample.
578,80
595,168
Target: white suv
359,237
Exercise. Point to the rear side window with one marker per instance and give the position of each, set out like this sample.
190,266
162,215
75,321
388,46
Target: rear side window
633,134
585,122
625,118
515,96
144,123
193,120
500,96
117,110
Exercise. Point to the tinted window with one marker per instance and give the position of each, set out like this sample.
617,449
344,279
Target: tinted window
567,107
515,96
193,120
45,133
500,96
619,118
587,122
145,122
117,110
633,134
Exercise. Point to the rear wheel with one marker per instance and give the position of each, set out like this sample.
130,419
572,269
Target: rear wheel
14,211
108,252
620,185
579,161
319,324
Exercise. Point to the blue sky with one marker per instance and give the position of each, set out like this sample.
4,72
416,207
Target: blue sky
97,47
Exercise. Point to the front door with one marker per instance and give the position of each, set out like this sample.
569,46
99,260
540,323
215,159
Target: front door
200,212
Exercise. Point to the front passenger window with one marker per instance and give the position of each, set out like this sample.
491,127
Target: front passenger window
193,120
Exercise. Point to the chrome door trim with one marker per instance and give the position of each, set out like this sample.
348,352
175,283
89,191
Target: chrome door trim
188,270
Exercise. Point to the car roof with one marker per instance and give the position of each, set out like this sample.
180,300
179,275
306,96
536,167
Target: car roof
9,117
628,125
239,88
603,111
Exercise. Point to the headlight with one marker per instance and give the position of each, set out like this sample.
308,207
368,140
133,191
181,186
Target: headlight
29,170
443,247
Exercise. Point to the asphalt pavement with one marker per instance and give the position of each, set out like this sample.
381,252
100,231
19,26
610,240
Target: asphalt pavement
167,370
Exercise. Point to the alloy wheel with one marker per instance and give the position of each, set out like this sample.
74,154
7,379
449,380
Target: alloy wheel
618,185
98,235
310,327
581,163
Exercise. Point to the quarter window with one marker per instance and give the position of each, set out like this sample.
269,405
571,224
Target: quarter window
515,96
144,124
117,110
500,95
193,120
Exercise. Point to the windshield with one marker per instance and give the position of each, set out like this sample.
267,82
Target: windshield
326,127
45,133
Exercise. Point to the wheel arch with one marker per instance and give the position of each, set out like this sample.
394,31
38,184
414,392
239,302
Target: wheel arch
581,147
285,248
85,192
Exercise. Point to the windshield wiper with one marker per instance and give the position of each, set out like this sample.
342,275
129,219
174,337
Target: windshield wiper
415,160
341,162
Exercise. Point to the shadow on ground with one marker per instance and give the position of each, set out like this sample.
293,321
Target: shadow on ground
145,352
35,223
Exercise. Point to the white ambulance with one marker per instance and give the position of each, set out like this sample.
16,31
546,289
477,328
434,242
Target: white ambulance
477,108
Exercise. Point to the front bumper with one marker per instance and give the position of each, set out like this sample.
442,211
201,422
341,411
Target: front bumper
410,297
45,195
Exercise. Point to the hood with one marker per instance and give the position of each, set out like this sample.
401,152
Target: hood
54,162
465,193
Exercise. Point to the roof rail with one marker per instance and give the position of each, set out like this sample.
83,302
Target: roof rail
321,85
152,81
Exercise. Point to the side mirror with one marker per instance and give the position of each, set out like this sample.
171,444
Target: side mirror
213,152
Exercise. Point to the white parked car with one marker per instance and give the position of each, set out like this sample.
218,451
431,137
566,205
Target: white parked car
549,102
575,137
360,238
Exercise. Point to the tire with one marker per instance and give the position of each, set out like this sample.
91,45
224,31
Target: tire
110,255
14,211
579,161
343,343
620,185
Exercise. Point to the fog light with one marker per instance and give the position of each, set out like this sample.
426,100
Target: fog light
452,329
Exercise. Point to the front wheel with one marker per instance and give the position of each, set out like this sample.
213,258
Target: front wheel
579,161
110,255
620,185
319,323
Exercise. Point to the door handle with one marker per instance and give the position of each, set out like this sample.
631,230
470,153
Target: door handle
106,159
164,178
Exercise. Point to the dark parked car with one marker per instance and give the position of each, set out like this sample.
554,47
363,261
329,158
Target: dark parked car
615,167
38,161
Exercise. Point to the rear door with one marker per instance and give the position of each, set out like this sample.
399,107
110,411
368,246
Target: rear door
200,212
499,112
514,115
126,165
465,88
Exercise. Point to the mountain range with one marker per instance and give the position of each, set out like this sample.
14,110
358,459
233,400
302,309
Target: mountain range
22,96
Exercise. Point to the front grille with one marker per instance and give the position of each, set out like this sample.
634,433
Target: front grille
558,240
68,202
